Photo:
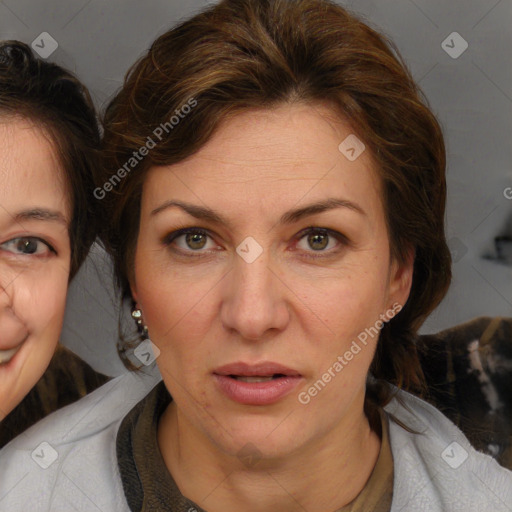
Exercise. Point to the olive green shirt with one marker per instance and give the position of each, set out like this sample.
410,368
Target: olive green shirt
149,487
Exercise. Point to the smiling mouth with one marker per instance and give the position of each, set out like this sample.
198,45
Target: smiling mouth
7,355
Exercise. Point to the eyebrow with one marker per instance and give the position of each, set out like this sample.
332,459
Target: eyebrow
42,214
200,212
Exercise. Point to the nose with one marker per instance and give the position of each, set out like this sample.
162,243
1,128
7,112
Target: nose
254,300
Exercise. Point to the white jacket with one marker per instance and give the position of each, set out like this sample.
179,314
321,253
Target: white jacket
68,460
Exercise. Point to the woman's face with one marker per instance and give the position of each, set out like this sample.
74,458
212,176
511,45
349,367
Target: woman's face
283,267
34,257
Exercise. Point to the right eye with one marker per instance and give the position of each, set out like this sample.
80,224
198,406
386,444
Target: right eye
191,240
27,246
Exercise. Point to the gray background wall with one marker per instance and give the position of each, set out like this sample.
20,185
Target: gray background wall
471,95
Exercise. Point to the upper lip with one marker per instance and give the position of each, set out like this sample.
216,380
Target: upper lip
18,345
262,369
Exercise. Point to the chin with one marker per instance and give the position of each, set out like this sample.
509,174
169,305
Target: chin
267,439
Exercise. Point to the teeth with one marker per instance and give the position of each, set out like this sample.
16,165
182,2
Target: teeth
243,378
7,355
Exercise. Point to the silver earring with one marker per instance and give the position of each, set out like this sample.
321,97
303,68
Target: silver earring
141,327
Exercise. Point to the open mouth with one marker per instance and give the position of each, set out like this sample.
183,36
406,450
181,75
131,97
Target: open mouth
257,389
256,378
262,383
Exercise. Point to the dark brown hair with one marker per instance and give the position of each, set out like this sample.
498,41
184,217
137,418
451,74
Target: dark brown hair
55,100
248,54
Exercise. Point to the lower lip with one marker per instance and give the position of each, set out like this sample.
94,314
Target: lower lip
257,393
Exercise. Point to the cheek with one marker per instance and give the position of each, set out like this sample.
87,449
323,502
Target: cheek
347,303
172,300
38,300
177,318
181,313
41,300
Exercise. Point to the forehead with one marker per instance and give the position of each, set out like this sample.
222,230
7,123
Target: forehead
289,152
30,170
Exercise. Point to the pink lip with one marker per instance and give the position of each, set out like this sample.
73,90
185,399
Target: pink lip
17,345
13,362
12,328
13,346
256,393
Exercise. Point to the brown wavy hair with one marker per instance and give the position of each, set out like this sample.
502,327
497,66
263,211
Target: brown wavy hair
56,101
252,54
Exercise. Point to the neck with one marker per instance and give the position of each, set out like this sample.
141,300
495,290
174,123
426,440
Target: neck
326,474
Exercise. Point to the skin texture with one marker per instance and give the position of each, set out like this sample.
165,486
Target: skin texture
33,276
208,308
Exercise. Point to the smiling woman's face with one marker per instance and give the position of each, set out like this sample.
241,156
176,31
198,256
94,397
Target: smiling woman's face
34,257
273,182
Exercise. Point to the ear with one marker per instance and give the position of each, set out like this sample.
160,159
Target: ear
400,278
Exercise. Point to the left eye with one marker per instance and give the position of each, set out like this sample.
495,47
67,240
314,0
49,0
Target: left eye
318,240
27,246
